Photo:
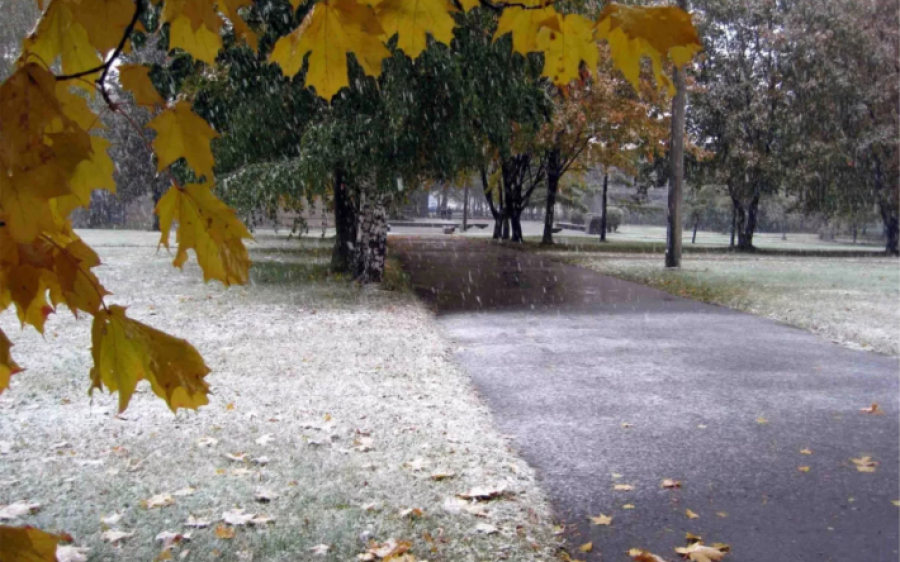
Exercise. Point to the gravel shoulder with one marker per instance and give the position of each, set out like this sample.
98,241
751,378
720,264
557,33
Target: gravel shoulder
339,402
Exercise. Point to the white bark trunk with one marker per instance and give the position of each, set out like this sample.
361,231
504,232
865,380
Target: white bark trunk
371,237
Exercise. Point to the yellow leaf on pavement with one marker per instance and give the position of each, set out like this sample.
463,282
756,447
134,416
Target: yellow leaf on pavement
27,544
126,351
209,227
640,555
524,25
690,514
699,552
181,133
601,519
330,31
136,79
586,547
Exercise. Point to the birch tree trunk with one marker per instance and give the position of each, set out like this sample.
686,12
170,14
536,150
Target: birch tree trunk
371,237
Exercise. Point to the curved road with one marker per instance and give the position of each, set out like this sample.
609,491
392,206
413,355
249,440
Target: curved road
606,382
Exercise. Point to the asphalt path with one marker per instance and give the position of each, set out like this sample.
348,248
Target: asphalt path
606,382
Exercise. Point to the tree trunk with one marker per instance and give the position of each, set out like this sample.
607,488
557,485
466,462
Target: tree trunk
554,167
489,195
746,224
465,222
603,206
694,235
891,222
343,252
733,223
676,155
371,243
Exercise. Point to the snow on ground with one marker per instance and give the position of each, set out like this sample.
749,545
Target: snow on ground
852,301
340,401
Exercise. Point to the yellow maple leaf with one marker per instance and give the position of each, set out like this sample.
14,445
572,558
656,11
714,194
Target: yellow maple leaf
413,20
58,34
524,25
469,4
690,514
194,27
126,351
656,32
136,79
241,30
181,133
601,519
699,552
330,31
105,21
564,50
586,547
27,544
8,367
91,174
209,227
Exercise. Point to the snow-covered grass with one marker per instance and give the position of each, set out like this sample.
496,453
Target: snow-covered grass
342,401
853,301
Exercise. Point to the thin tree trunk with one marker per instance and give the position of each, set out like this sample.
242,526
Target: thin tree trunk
553,170
733,223
465,222
603,206
676,155
343,253
891,222
694,235
371,245
489,195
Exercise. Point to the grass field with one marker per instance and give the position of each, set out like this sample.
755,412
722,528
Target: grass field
852,300
336,402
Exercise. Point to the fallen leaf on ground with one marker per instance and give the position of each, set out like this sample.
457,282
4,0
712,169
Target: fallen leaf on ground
628,506
241,472
113,536
263,460
363,444
483,492
701,426
439,475
265,439
865,464
111,519
372,506
761,420
159,500
417,464
224,532
601,519
207,441
586,547
237,517
196,523
722,514
264,495
486,529
896,502
171,538
320,549
626,425
457,505
699,552
236,457
803,468
69,553
873,409
18,509
188,491
412,512
388,549
623,487
616,475
690,514
669,483
805,451
692,538
640,555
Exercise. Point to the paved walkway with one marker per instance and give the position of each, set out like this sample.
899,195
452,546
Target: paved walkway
722,401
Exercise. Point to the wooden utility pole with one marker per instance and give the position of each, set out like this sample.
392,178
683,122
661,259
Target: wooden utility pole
676,160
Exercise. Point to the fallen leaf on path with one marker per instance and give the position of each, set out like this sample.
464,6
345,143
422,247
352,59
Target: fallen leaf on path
264,495
320,549
265,439
113,536
805,451
224,532
69,553
628,506
111,519
699,552
236,457
761,420
389,549
171,538
486,529
692,538
229,406
690,514
411,512
457,505
416,465
188,491
669,483
18,509
196,523
159,500
803,468
722,514
586,547
601,519
439,475
873,409
865,464
623,487
626,425
207,442
701,426
616,475
364,444
896,502
640,555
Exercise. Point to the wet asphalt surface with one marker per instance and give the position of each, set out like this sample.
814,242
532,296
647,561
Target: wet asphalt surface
565,356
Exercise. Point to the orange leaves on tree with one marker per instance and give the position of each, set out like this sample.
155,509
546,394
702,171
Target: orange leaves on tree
209,227
656,32
330,31
136,79
126,351
27,544
181,133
